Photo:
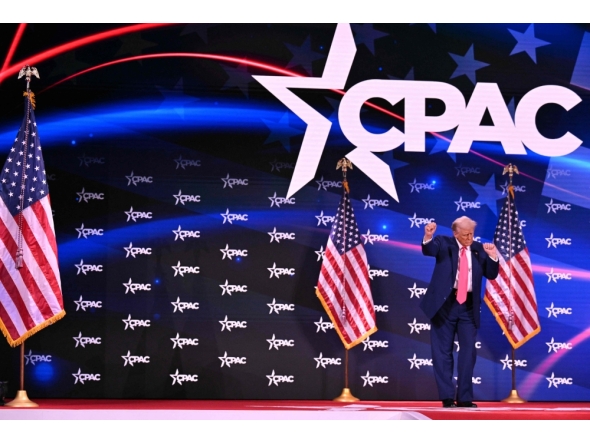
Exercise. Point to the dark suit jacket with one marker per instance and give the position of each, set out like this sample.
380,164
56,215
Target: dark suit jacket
446,251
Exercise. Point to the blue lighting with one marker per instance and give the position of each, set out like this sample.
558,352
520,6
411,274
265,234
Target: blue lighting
73,142
157,281
90,135
238,259
385,227
156,316
434,182
43,372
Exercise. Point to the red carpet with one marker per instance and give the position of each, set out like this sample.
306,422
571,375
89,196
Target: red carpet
199,409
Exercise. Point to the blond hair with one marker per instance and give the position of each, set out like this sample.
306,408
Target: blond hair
462,221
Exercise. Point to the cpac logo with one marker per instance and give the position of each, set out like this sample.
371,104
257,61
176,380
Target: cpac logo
274,307
557,172
134,215
84,268
131,360
278,201
276,343
368,379
324,326
229,289
181,269
325,184
181,342
181,306
375,272
83,377
381,308
52,177
463,205
325,220
278,236
30,358
230,182
320,253
417,362
554,311
465,117
84,341
131,287
417,187
183,198
474,379
320,360
375,237
416,291
417,221
555,241
461,170
131,179
553,276
230,254
89,232
417,327
181,234
131,250
85,160
555,207
132,323
82,304
183,163
371,203
225,324
276,379
555,382
278,166
555,346
180,378
517,188
277,272
477,345
229,360
230,217
368,344
85,197
507,363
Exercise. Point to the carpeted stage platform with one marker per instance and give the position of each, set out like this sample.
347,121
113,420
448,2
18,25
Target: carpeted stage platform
283,410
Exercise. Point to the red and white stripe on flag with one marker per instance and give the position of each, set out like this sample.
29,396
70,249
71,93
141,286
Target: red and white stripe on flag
511,296
343,286
30,296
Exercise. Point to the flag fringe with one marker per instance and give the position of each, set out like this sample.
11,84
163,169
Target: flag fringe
497,315
31,332
347,346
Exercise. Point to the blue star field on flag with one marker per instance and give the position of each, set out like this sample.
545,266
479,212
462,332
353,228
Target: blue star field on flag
345,232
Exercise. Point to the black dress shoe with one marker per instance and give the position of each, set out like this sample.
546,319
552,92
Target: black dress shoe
466,404
448,403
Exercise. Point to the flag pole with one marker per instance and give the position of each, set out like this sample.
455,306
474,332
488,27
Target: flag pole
21,399
513,398
346,395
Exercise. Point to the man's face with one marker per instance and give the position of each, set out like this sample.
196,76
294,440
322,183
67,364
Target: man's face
464,234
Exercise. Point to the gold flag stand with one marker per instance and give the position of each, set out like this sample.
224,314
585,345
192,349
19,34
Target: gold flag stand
513,398
346,395
21,399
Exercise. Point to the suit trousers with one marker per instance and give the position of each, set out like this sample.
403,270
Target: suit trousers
454,319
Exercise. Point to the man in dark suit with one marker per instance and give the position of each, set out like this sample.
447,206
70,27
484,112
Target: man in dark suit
452,303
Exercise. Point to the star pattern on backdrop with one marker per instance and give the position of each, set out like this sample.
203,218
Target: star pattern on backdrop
442,144
366,35
201,29
133,44
467,65
303,55
237,77
175,99
281,131
488,194
527,42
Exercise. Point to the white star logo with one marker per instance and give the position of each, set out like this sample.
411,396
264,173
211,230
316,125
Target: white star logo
78,339
127,359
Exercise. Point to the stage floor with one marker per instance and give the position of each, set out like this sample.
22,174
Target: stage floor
88,409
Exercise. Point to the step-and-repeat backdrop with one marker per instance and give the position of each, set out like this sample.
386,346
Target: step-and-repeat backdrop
193,202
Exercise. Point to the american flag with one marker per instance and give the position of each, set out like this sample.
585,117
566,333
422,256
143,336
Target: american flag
30,295
511,296
343,285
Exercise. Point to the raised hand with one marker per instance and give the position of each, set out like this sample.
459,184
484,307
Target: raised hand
491,250
429,230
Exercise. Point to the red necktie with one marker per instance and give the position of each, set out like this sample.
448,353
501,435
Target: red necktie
463,276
